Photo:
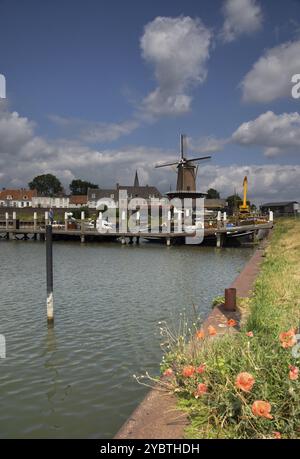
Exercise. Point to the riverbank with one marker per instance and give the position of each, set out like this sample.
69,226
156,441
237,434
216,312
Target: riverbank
158,416
245,385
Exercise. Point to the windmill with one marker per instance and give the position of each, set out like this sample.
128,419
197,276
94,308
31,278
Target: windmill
186,173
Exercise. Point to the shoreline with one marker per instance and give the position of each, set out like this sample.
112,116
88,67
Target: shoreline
157,416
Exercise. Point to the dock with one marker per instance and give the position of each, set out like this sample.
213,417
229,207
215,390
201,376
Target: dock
13,228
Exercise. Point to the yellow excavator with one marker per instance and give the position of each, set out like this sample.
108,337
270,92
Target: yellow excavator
244,208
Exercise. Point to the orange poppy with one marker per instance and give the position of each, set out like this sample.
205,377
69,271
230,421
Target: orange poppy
277,435
188,371
293,373
211,330
244,381
231,323
201,389
201,369
262,409
250,334
200,334
288,338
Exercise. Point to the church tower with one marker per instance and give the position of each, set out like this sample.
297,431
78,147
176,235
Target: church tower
136,180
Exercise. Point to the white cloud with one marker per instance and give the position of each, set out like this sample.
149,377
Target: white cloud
267,182
240,17
207,144
179,49
277,134
270,77
95,132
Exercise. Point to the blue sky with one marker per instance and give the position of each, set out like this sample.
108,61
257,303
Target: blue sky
101,88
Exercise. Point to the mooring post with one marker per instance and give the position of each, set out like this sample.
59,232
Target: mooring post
219,216
34,221
66,221
168,240
271,216
82,237
6,220
230,299
225,219
220,239
14,220
49,271
123,240
46,218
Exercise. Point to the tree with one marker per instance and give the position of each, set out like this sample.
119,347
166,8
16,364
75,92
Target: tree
212,194
234,202
46,185
80,187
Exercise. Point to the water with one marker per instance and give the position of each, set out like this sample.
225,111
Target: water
75,381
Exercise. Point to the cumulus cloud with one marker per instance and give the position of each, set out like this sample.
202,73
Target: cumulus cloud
178,48
267,182
94,132
277,134
206,144
240,17
270,77
30,155
24,155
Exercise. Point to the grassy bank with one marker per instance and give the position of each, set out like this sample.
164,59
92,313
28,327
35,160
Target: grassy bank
245,385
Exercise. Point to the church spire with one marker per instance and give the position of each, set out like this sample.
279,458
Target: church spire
136,180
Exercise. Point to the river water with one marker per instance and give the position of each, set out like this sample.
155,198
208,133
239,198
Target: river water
76,380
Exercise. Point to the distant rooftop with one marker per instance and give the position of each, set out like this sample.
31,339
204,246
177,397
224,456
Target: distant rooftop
279,204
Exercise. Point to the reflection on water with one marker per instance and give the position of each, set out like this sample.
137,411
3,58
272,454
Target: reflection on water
75,380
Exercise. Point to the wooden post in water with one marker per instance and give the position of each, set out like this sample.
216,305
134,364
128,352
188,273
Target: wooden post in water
6,220
49,271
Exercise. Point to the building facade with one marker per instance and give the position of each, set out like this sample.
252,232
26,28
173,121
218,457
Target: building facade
17,198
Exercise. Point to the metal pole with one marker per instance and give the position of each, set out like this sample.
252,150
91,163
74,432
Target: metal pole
49,269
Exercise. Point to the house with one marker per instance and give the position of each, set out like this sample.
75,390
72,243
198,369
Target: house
45,202
17,197
77,201
215,204
140,193
281,209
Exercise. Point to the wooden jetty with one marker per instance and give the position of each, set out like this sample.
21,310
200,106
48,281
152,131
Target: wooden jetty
13,228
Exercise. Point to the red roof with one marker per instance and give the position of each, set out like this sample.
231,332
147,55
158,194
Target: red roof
17,195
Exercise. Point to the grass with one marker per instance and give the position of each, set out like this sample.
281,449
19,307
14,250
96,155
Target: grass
225,411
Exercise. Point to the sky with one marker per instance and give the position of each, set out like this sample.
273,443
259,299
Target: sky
98,89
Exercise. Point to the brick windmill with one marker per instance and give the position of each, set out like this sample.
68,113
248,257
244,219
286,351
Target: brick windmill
186,174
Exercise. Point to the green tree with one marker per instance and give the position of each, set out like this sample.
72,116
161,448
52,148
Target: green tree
212,194
46,185
80,187
234,201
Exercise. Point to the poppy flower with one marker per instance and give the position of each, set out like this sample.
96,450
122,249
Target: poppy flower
244,381
168,372
288,338
201,369
211,330
277,435
231,323
250,334
262,409
293,373
188,371
201,390
200,334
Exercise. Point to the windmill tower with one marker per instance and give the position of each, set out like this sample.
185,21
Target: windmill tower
186,174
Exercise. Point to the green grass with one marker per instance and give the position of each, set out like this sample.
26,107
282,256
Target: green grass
225,411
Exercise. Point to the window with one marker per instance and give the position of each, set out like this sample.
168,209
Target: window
93,196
